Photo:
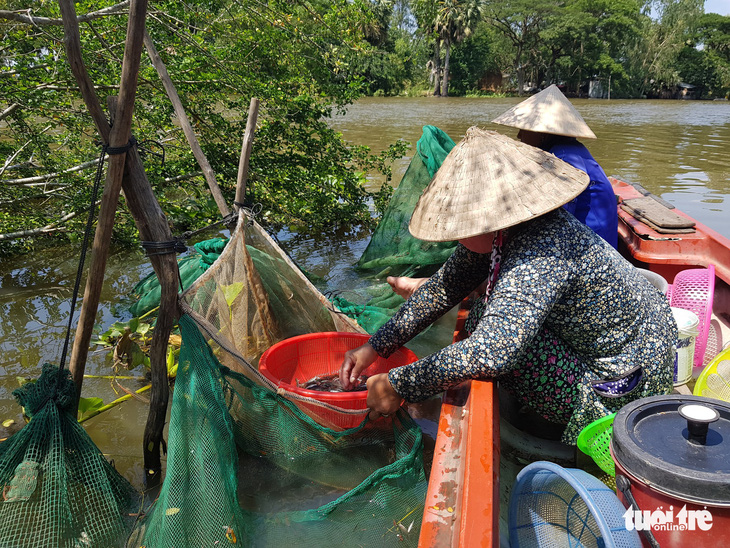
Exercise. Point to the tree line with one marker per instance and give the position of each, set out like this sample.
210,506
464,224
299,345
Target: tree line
640,48
306,60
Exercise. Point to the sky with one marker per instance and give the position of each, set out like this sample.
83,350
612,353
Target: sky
717,6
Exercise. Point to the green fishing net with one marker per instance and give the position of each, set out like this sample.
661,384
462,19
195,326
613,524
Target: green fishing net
246,464
392,251
250,463
58,489
191,267
392,248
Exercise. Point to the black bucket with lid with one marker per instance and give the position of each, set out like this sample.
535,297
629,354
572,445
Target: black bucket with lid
675,453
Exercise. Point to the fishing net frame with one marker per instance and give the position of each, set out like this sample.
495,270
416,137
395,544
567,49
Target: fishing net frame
251,297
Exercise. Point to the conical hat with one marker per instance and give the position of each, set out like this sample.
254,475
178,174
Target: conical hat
488,182
547,112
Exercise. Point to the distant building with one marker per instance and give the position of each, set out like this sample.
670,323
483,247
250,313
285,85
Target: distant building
493,81
597,90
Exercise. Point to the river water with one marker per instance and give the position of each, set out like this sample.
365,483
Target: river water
677,150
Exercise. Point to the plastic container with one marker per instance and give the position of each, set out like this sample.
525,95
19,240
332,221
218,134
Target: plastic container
657,280
694,290
714,381
594,440
301,358
555,506
688,330
673,472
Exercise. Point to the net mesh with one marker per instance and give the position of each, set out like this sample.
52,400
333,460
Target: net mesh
247,463
190,267
392,247
58,489
392,250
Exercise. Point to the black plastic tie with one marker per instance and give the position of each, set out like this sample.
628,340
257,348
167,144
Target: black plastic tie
164,248
112,151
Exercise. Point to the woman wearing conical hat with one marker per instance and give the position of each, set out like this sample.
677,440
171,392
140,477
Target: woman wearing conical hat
549,121
567,324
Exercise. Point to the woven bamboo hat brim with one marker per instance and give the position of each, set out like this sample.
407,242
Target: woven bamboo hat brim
489,182
547,112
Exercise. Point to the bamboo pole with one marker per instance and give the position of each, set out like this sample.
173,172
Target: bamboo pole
152,226
185,125
253,114
119,136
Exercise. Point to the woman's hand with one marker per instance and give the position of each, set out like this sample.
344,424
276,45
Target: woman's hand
404,286
354,363
383,400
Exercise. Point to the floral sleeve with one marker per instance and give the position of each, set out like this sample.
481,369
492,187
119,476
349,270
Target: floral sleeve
458,277
525,293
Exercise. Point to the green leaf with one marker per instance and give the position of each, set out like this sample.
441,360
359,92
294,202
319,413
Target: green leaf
232,291
171,363
87,405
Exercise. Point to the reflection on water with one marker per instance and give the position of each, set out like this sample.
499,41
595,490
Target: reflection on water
35,299
677,150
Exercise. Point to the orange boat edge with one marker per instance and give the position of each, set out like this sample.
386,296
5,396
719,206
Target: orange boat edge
462,501
463,497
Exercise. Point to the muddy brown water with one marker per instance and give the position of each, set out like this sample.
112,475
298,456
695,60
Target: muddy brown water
676,149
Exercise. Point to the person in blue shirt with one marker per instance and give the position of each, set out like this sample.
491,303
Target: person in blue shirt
549,121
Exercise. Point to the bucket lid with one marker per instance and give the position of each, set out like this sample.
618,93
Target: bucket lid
656,440
686,319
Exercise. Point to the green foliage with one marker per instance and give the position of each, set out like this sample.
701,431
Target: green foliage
129,343
652,63
699,68
306,61
713,35
294,56
89,405
472,60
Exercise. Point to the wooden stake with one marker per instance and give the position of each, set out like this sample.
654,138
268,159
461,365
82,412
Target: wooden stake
253,114
118,137
152,226
187,128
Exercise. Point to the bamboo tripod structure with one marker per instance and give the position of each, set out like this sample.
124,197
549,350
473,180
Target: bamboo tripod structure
126,173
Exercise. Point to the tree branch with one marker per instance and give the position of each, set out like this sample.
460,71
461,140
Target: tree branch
27,17
33,181
8,111
53,227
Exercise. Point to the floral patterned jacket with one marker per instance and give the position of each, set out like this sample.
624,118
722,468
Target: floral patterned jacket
556,273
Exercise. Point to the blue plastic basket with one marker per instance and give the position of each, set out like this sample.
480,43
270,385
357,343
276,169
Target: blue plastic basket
553,506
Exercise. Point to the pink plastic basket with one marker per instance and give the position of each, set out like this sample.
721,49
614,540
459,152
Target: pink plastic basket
694,290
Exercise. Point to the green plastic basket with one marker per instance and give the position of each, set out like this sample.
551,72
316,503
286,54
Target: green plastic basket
714,381
594,441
